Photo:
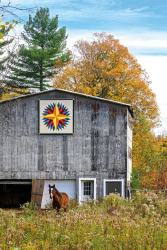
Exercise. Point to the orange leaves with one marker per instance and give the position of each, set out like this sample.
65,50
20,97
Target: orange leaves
105,68
155,180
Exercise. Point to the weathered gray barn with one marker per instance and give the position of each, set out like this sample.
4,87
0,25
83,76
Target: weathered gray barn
90,162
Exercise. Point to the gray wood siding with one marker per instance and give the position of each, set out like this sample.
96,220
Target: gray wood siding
97,147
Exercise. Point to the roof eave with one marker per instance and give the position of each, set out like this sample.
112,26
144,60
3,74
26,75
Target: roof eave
71,92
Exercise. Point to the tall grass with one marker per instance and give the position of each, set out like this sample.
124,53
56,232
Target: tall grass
114,223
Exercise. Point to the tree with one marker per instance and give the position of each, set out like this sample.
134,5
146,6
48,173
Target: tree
42,55
6,8
105,68
5,27
4,30
146,154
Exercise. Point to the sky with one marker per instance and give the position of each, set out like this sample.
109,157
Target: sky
139,25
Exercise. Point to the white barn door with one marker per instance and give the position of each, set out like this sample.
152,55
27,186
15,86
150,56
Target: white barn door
67,186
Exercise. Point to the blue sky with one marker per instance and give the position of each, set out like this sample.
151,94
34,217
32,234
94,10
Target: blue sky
105,14
139,25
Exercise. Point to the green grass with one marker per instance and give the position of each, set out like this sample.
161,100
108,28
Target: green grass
113,223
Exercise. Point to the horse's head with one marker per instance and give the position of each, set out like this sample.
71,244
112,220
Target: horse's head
51,188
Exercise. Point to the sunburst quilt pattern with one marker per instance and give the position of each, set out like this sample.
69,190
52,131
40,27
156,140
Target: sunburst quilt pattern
56,117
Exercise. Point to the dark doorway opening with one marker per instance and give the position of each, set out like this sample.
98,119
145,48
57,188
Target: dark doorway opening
13,194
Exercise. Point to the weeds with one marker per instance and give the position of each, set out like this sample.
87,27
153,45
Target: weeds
114,223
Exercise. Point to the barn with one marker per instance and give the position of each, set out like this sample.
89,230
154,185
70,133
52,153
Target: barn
80,143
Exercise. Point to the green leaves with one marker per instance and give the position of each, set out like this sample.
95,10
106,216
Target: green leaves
35,62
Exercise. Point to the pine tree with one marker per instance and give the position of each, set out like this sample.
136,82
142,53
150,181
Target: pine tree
42,55
4,55
4,30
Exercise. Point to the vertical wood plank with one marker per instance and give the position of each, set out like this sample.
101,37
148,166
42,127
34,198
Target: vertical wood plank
37,191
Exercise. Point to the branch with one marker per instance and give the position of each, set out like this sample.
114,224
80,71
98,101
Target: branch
10,9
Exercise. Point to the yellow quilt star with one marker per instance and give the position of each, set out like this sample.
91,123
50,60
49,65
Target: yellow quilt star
56,116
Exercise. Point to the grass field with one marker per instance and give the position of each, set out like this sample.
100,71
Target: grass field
113,223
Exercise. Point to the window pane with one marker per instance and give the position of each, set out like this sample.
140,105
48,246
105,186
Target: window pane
113,187
88,188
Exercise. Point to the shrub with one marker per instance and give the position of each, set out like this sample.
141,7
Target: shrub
113,201
29,208
150,202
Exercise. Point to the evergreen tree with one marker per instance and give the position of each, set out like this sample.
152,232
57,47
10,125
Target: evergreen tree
4,55
42,55
4,30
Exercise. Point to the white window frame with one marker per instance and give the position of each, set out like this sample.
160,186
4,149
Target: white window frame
80,188
114,180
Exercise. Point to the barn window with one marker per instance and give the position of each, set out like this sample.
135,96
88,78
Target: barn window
113,186
87,189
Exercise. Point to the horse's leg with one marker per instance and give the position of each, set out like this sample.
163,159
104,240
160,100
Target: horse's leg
58,208
65,209
55,206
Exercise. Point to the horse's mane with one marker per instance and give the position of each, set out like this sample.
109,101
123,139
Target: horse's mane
57,192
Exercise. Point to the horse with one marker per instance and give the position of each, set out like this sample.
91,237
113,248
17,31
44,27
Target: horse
60,199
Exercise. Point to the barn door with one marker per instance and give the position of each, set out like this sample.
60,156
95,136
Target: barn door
14,193
37,190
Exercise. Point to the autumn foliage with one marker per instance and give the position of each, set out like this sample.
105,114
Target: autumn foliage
105,68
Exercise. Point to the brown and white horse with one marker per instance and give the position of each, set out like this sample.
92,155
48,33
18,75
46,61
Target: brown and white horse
60,199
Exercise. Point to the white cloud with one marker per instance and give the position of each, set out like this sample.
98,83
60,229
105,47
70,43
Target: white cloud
146,40
136,41
156,67
78,34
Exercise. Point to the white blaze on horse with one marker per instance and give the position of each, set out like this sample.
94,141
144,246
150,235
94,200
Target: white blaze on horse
60,200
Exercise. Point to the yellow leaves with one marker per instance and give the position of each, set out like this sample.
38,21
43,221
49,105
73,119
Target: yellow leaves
105,68
10,94
105,63
5,27
1,35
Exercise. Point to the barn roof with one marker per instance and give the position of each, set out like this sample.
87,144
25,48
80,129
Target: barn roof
74,93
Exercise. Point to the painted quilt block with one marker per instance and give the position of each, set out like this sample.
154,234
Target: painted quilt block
56,116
